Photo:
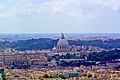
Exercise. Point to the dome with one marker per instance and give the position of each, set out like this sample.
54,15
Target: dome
62,42
62,45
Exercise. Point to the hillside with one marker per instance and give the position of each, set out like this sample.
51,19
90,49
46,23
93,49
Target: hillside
48,43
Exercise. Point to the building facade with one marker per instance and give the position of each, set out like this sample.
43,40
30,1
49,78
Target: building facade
24,60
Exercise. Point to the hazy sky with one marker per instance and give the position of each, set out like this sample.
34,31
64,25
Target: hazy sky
70,16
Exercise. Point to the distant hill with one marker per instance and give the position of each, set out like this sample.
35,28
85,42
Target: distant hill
48,43
26,36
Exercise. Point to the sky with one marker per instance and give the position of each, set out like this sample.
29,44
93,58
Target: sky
59,16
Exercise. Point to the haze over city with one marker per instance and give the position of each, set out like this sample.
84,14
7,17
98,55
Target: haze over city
51,16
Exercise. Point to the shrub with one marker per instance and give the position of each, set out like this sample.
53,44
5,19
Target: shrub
46,76
62,76
89,75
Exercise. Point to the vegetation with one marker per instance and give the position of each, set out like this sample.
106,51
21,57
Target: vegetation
62,77
48,43
89,75
46,76
31,44
95,76
108,44
54,76
3,76
67,56
104,55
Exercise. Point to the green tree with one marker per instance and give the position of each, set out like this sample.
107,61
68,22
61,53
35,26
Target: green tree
56,76
3,76
46,76
95,76
62,76
89,75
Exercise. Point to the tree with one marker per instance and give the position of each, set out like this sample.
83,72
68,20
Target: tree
46,76
56,76
3,76
69,56
95,76
89,75
74,55
104,55
62,76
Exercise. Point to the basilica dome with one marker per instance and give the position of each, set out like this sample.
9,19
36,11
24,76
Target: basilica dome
62,42
62,45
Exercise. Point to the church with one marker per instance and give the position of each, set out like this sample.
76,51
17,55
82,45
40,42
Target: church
62,45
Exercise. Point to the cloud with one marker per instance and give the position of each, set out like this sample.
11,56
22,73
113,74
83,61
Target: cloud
88,8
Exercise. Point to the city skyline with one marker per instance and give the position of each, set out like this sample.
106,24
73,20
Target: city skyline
61,16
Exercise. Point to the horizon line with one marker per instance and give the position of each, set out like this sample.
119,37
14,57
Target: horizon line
64,33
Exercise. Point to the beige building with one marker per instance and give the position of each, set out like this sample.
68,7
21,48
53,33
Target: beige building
8,59
24,60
